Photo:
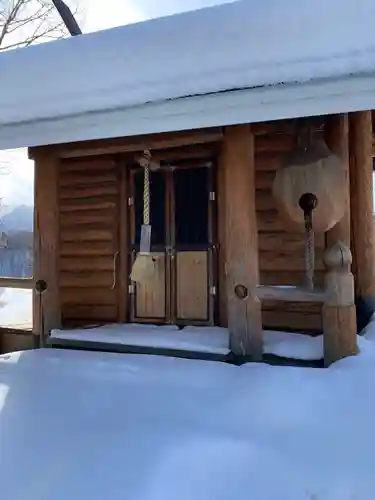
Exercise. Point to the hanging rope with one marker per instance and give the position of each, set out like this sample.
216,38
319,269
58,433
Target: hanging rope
40,289
146,196
145,162
308,202
309,259
144,264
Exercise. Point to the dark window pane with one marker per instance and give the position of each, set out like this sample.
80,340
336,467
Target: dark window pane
191,206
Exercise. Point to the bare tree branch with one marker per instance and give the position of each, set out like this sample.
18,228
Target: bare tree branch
67,17
24,22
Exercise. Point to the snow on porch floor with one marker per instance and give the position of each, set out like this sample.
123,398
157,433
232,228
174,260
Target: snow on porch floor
212,340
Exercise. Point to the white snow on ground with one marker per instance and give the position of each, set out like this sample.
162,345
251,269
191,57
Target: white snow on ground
83,425
369,330
16,308
237,45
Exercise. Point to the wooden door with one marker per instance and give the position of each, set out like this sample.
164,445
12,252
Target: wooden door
182,291
149,300
193,277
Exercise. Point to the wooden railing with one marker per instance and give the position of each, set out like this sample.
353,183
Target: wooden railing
24,283
337,299
290,294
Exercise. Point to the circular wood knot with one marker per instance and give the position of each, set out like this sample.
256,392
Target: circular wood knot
338,256
241,292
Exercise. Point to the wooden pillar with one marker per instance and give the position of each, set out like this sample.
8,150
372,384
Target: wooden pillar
337,139
46,238
361,209
241,242
339,311
223,302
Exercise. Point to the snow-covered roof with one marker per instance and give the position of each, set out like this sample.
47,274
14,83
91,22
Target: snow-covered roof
240,45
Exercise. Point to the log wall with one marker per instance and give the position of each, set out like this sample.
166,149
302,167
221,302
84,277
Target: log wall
89,190
91,198
281,252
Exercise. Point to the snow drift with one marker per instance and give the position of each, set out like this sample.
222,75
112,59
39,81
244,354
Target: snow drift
80,425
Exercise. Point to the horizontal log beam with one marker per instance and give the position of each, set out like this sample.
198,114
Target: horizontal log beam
24,283
289,278
289,294
23,330
133,144
287,126
292,321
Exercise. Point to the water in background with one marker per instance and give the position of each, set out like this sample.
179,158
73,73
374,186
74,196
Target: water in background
15,263
15,304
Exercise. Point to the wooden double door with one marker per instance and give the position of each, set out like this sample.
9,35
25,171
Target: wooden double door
183,218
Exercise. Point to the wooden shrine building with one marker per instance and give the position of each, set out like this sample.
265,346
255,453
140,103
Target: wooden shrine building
218,122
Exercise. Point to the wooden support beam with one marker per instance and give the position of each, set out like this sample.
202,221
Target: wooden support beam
132,144
339,312
361,210
337,139
241,242
46,239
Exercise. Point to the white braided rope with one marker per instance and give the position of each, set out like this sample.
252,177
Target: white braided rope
146,196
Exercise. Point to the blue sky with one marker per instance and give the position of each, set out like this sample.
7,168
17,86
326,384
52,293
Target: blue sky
16,185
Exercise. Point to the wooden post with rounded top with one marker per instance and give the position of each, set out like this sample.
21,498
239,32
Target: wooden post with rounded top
339,311
241,242
337,139
46,241
361,212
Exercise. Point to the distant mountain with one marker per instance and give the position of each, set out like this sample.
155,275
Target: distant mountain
18,219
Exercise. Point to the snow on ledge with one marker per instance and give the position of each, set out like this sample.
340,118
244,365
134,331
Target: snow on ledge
213,340
293,345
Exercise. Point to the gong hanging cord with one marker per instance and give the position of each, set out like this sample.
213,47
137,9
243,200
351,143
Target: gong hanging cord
309,258
308,203
41,315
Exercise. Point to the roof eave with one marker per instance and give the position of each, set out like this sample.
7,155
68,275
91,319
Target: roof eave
316,97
